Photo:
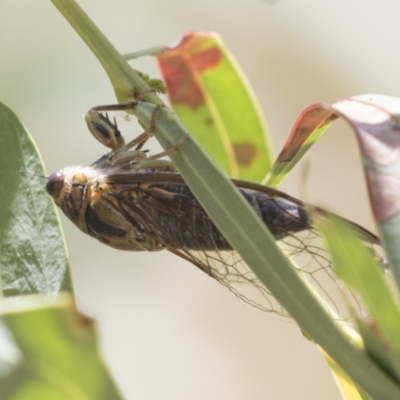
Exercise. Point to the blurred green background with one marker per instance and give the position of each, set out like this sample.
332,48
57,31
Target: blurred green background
167,330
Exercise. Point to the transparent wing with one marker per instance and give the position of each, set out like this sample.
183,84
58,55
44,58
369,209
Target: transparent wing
305,251
176,220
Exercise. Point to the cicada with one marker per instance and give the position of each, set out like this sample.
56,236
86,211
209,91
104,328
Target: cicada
129,201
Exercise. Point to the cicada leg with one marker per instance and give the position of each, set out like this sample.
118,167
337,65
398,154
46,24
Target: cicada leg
161,165
108,134
130,154
155,162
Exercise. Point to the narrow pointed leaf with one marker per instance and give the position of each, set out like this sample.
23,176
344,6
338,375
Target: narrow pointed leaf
213,99
357,267
375,120
307,129
377,348
347,387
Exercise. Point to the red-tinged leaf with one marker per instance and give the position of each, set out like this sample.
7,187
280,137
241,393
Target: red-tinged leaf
375,120
212,98
182,65
307,129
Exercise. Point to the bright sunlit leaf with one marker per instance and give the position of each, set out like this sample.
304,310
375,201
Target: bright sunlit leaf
213,99
308,128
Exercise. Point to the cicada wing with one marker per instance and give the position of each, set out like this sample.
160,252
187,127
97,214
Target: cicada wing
305,250
172,217
306,253
229,269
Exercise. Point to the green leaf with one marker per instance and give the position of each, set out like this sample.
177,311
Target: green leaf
308,128
376,347
347,387
33,257
357,267
60,356
375,121
213,99
58,346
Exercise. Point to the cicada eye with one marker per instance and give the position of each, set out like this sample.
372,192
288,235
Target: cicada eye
54,184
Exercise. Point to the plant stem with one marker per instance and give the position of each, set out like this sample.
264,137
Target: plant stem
125,80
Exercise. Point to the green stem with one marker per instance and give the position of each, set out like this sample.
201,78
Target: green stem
125,81
153,51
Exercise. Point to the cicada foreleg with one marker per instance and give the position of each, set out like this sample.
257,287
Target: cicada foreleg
107,133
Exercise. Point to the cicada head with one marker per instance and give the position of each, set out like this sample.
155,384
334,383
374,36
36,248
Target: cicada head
68,188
